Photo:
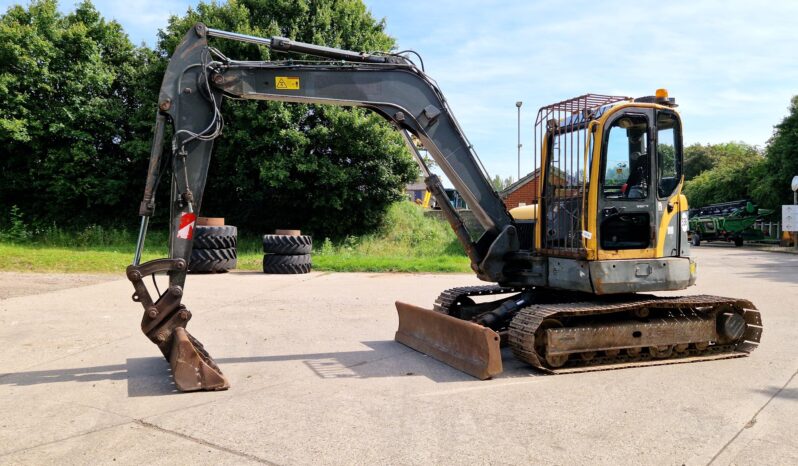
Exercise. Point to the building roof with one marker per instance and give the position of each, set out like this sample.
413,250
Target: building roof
526,179
521,181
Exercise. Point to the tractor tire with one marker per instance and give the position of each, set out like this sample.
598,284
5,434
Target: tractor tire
224,237
287,245
212,260
286,264
696,241
738,241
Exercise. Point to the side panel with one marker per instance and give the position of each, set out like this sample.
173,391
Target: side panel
569,274
637,275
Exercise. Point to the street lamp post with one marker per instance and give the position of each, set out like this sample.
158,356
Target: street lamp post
518,106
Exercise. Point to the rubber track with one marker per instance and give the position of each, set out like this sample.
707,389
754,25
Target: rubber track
527,320
286,244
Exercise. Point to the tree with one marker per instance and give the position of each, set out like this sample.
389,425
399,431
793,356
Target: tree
328,170
734,164
697,159
500,184
71,88
770,184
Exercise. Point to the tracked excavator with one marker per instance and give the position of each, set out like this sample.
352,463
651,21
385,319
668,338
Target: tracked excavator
569,277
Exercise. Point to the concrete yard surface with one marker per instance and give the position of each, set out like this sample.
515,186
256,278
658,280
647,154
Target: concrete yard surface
318,379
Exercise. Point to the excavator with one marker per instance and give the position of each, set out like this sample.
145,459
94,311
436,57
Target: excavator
569,278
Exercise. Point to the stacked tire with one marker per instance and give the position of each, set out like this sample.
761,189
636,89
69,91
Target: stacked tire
287,252
214,247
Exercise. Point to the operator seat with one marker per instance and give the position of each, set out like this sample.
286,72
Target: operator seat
636,183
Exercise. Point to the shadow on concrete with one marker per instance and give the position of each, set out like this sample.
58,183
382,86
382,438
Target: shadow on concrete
145,376
151,376
786,393
785,272
775,267
384,359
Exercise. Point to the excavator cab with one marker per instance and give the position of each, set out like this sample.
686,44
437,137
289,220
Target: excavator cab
610,197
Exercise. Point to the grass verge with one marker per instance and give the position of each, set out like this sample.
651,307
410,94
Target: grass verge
407,242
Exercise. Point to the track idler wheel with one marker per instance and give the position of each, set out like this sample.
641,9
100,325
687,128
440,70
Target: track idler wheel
731,325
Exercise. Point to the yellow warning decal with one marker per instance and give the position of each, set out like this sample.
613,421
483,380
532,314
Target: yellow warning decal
286,83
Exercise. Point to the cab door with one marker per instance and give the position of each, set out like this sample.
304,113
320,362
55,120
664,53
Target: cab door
673,221
627,218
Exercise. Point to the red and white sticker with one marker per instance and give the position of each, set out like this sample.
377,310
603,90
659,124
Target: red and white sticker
186,230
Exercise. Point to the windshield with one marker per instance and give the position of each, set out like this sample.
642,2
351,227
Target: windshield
626,173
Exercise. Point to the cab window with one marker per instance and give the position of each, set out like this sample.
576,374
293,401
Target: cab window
626,169
669,164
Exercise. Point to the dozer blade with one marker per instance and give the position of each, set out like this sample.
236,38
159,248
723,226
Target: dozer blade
464,345
192,367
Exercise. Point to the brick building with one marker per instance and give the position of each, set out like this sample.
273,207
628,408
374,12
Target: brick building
523,191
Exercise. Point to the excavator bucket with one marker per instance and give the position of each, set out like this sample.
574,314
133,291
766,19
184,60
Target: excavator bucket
464,345
192,367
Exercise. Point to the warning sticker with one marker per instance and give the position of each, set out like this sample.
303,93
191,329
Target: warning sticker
286,83
186,229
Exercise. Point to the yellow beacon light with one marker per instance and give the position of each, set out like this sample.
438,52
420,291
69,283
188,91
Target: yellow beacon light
661,94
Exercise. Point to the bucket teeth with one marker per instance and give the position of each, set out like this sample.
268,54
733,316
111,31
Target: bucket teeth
192,367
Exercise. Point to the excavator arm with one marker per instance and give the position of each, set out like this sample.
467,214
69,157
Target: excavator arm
198,79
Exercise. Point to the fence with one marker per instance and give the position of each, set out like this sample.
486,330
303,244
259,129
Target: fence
771,230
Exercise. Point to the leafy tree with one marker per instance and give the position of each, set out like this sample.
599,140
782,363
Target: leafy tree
697,159
770,184
734,164
71,87
328,170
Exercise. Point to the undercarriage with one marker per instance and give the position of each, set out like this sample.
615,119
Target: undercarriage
560,332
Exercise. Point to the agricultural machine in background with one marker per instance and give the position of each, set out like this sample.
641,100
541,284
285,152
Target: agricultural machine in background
727,221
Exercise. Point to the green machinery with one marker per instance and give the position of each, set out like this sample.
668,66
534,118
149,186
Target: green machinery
728,221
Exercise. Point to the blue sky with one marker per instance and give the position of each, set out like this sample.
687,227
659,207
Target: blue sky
730,64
